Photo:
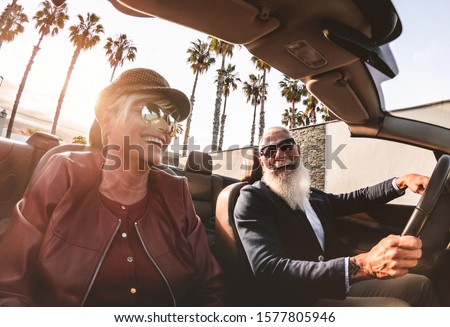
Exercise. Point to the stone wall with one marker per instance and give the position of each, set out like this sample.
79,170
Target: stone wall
312,145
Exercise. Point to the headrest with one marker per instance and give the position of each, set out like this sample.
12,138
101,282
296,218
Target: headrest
251,167
42,140
95,135
199,162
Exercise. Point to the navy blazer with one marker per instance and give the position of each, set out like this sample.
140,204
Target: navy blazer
282,248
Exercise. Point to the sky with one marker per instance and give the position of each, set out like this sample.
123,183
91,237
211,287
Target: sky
424,70
421,52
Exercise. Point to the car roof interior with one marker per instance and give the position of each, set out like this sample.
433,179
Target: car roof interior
328,45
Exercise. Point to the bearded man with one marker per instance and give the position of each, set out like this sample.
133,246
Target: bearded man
286,229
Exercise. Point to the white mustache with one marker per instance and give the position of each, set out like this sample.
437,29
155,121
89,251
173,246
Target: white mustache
280,164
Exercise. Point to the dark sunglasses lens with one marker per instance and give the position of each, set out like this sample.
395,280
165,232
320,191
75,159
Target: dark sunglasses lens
269,151
286,147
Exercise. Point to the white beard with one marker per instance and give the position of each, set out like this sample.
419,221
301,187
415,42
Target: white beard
291,185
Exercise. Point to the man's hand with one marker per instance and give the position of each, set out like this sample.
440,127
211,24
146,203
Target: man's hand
416,183
393,256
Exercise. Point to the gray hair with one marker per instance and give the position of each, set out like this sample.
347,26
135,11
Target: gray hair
280,128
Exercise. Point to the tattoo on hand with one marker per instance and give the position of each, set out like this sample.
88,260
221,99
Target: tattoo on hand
354,268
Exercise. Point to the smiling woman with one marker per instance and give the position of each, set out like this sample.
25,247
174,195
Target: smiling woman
122,233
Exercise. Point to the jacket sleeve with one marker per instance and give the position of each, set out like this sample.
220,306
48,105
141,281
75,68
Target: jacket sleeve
255,224
19,246
364,198
210,289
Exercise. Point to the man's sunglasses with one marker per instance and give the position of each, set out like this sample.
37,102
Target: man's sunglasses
151,115
270,150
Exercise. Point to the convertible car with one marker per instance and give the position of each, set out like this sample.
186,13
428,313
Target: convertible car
360,58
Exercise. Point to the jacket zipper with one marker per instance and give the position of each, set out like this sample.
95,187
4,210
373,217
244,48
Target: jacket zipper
100,262
156,265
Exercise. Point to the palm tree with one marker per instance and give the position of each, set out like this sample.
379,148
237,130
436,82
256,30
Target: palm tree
252,90
49,21
12,21
264,68
84,36
200,60
327,115
293,90
313,107
298,117
118,50
7,12
224,49
229,84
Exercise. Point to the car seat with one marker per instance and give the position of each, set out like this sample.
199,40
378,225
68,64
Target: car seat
17,163
229,250
205,188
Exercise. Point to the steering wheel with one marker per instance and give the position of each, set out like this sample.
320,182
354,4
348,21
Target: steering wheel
431,218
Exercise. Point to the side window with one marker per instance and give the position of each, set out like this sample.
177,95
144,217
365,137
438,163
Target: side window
352,163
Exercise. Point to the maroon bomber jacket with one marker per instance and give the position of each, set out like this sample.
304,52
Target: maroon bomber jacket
61,231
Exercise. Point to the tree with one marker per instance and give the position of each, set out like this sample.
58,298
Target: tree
84,36
118,50
29,131
49,21
224,49
326,114
6,12
229,84
264,68
200,60
12,20
252,90
313,107
298,117
293,90
79,139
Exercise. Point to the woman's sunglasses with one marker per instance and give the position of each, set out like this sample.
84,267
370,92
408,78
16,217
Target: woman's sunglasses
151,115
270,150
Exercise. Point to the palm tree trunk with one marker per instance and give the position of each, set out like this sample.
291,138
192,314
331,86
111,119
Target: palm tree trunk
262,123
292,116
113,72
36,48
64,89
219,92
313,115
189,119
252,136
222,122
